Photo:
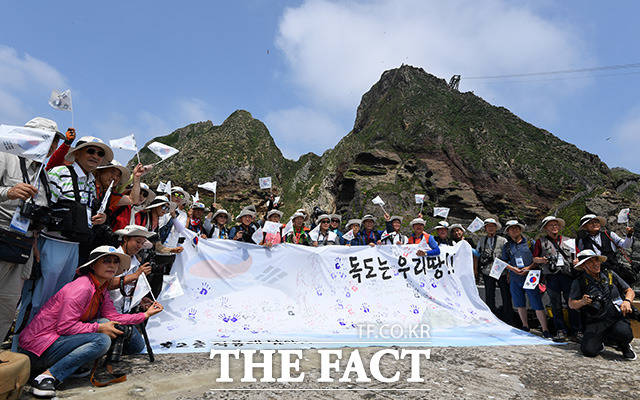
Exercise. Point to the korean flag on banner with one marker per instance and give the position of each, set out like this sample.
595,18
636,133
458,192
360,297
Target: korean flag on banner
265,183
532,279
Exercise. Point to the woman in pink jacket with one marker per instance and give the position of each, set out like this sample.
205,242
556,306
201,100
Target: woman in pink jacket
65,334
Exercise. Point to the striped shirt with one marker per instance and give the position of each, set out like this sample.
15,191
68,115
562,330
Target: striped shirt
62,186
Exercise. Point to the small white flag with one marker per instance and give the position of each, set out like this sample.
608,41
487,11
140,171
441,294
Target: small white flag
276,200
125,143
287,228
349,236
161,187
623,216
29,143
441,212
105,199
419,198
167,188
196,198
141,290
162,150
385,235
271,227
257,236
265,183
497,268
210,186
378,201
171,288
61,100
315,233
532,279
570,244
475,225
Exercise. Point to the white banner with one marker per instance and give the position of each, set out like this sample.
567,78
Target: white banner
290,296
30,143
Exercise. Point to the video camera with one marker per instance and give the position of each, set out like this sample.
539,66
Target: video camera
317,211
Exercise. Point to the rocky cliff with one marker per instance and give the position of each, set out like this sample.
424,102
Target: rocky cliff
412,134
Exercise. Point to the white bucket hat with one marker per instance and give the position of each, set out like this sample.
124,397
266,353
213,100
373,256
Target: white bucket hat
220,212
124,171
492,221
585,255
103,251
245,212
550,218
296,215
134,230
441,225
511,223
394,217
323,216
368,217
274,211
416,221
589,217
46,125
187,196
198,206
150,194
157,202
336,216
354,221
454,226
87,141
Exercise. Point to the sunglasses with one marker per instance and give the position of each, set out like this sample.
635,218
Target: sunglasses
178,195
111,260
165,208
324,222
335,220
92,150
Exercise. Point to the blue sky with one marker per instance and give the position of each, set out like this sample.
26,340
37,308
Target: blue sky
150,67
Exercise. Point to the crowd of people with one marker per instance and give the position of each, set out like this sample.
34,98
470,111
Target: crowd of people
94,228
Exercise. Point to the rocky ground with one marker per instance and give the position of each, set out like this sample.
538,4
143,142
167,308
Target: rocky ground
506,372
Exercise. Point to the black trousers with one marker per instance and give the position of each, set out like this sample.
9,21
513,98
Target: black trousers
505,293
595,334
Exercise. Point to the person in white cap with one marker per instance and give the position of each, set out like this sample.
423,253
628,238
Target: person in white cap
152,218
336,220
76,325
269,239
419,236
353,225
130,213
245,228
19,186
555,256
120,176
181,199
369,235
489,248
517,253
593,235
392,234
218,225
195,221
322,235
72,192
442,233
298,235
604,299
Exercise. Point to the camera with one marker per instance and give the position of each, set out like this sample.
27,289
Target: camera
552,261
317,211
485,259
160,265
40,216
117,346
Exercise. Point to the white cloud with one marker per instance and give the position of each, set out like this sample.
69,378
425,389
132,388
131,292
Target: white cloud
299,130
337,51
193,110
626,141
24,80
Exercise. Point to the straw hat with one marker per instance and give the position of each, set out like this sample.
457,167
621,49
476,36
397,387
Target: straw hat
87,141
45,125
134,230
124,171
